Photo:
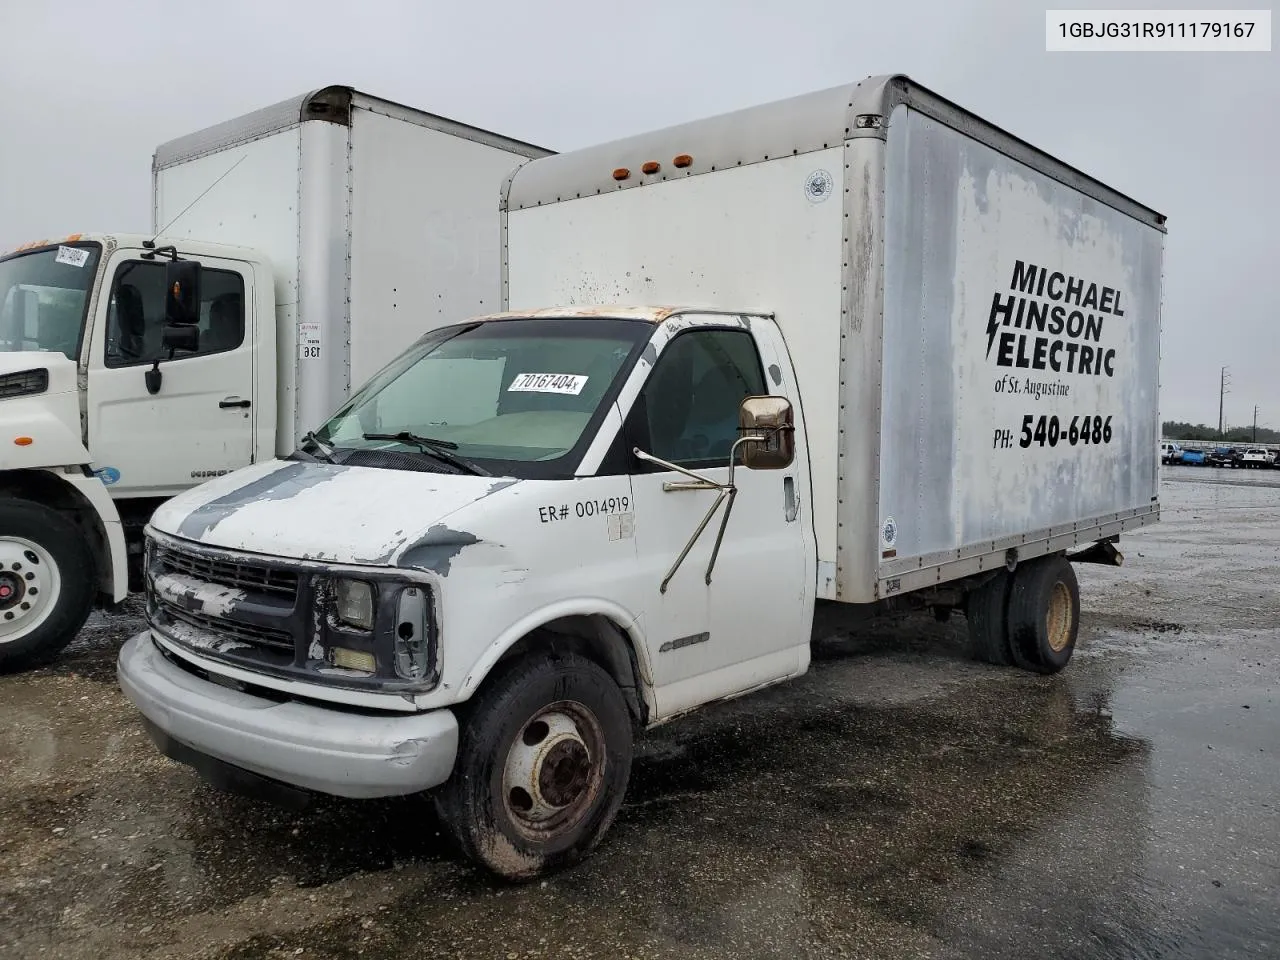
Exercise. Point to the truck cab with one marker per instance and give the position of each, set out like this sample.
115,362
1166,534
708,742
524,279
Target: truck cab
115,394
523,500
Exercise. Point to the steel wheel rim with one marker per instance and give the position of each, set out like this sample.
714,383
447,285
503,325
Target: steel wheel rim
1058,618
554,770
30,585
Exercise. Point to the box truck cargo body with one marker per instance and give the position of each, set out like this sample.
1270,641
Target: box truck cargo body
317,238
855,351
378,221
974,324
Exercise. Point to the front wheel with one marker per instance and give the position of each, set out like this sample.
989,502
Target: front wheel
544,756
46,583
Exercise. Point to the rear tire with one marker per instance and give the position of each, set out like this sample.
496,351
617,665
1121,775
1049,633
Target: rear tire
544,757
1044,614
985,611
47,579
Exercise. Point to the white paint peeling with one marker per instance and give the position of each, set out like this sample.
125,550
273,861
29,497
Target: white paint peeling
214,599
357,515
203,640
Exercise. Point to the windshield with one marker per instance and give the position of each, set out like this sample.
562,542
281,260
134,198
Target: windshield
44,296
515,397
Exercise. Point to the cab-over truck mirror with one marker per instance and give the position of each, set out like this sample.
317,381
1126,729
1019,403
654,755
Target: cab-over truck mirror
181,329
771,418
182,297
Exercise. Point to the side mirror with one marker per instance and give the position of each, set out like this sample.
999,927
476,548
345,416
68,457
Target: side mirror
180,337
182,286
771,418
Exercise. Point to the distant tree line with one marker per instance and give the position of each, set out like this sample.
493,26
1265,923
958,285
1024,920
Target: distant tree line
1173,430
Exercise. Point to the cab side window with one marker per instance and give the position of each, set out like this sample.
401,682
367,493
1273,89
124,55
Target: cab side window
136,314
690,401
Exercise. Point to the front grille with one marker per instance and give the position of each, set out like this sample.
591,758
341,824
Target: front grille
275,617
237,575
233,630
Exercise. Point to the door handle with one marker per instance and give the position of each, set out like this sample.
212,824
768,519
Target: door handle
233,402
790,502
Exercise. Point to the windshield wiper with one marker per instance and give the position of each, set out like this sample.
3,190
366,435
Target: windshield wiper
436,448
324,448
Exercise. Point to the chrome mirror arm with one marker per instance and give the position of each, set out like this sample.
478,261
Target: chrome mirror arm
727,490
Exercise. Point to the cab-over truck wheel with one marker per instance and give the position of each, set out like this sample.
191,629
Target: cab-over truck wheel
47,583
544,757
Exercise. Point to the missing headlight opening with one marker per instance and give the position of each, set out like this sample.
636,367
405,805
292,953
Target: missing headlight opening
411,635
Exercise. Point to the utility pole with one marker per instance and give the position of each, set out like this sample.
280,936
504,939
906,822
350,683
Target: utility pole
1222,394
1255,423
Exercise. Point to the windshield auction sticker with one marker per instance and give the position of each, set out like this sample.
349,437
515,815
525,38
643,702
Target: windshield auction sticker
570,383
73,256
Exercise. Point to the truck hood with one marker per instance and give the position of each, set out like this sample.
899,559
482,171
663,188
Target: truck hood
324,511
50,419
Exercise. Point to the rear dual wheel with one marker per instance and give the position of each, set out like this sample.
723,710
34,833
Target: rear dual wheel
1030,618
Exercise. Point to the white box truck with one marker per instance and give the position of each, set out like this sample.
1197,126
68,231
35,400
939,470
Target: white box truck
358,225
900,356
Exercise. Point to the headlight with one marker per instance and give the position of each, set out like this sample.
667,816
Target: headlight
355,603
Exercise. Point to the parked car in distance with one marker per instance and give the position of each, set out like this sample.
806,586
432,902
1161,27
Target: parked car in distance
1257,457
1193,457
1170,452
1224,457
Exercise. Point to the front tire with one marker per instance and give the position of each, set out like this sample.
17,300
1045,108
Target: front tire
1044,614
47,582
544,757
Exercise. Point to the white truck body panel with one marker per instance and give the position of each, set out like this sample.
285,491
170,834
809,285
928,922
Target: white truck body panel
378,220
425,249
875,223
961,219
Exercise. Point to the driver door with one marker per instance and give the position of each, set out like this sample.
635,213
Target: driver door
750,624
200,423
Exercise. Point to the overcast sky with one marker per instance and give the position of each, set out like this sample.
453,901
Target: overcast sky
90,88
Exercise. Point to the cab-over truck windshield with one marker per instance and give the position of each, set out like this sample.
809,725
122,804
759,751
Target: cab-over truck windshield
515,397
44,297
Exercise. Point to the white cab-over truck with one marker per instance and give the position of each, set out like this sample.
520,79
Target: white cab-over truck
358,224
905,359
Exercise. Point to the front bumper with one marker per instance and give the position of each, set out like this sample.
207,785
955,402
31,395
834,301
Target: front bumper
315,748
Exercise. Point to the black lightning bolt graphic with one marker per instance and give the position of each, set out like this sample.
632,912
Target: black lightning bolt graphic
992,326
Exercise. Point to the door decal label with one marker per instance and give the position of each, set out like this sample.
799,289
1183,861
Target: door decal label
309,341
